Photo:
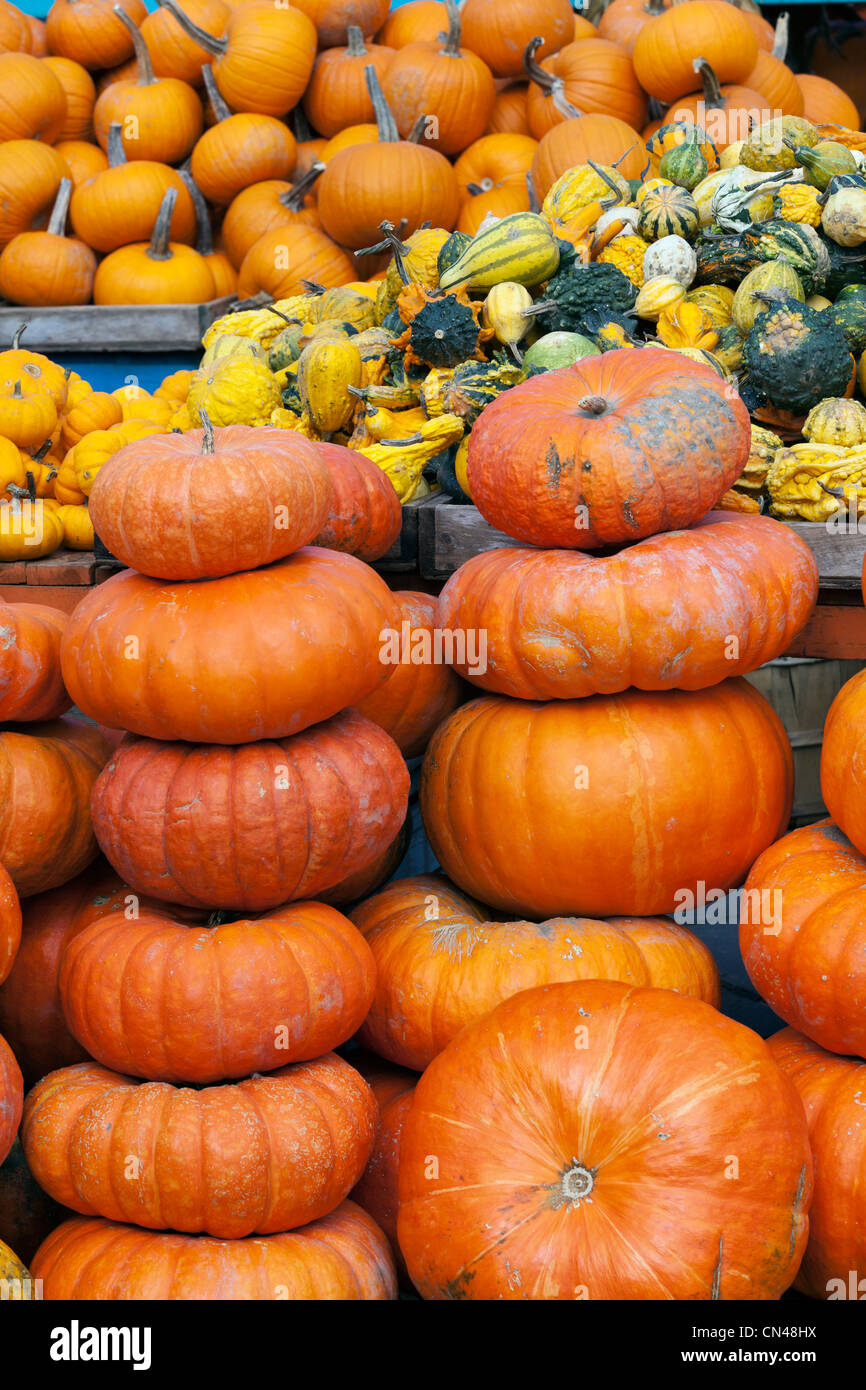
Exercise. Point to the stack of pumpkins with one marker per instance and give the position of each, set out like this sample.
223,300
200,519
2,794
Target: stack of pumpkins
244,788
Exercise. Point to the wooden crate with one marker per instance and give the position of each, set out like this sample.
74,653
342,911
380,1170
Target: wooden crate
404,554
60,580
113,327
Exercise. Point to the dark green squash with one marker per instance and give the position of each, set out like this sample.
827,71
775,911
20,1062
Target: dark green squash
685,164
799,244
443,332
571,294
847,266
723,258
849,313
475,384
729,348
610,331
451,251
797,356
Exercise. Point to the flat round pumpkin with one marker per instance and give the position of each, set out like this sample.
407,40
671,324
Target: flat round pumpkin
31,686
843,780
612,449
10,924
441,963
803,935
598,807
11,1097
257,655
210,502
158,998
266,1154
342,1256
585,1136
254,826
560,624
364,517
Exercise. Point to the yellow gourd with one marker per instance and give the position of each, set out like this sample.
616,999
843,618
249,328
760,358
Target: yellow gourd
716,300
658,294
836,420
326,370
28,530
626,253
798,202
687,326
77,527
503,312
404,460
95,449
577,188
235,391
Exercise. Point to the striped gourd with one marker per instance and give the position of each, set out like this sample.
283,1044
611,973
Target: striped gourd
668,211
520,248
578,187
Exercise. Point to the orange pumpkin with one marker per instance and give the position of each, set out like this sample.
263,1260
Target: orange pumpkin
337,95
509,116
776,84
262,206
420,20
160,117
82,159
121,205
666,47
10,907
826,103
172,51
30,175
622,20
32,99
11,1101
155,272
500,202
15,35
48,268
31,686
239,150
333,17
726,114
605,139
80,94
499,32
90,32
441,81
591,75
287,255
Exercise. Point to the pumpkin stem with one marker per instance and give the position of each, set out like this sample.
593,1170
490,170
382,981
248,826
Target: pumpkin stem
312,287
595,405
207,443
605,176
159,248
296,196
142,56
534,205
625,154
16,390
551,86
116,152
393,242
451,40
414,136
31,487
300,126
220,109
712,91
576,1183
42,451
201,36
483,187
355,48
18,331
780,37
385,123
203,230
57,221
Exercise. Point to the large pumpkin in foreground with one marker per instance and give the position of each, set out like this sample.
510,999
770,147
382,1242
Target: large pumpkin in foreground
341,1256
46,776
31,686
593,1141
266,1154
611,449
843,759
441,963
833,1091
614,805
256,655
560,624
255,826
210,502
157,998
803,935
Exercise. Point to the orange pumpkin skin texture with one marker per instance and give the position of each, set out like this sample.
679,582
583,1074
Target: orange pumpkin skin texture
32,99
831,1089
843,785
363,184
824,102
30,175
598,616
11,1097
173,53
46,776
416,696
442,964
499,33
623,20
600,783
156,998
176,509
508,116
803,940
258,208
15,35
337,96
527,1122
343,1256
10,924
120,205
266,1154
268,59
90,32
377,1190
364,517
339,797
776,84
612,449
31,686
130,275
241,150
501,202
444,80
252,641
605,139
362,883
411,23
168,115
289,253
597,76
31,1012
80,97
666,47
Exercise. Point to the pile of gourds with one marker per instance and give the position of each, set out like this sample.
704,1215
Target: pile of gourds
288,133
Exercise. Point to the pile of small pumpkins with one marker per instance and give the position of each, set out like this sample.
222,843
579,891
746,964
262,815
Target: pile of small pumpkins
287,134
189,1130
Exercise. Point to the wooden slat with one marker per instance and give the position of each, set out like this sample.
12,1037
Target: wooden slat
62,567
65,596
834,631
403,555
113,327
839,554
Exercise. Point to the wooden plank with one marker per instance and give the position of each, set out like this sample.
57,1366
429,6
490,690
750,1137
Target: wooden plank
113,327
403,555
839,553
834,631
62,567
65,596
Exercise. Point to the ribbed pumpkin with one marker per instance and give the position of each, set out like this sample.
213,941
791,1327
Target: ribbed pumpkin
208,503
549,459
91,32
605,139
622,20
80,94
15,35
158,271
442,963
581,769
802,935
30,175
824,101
596,614
831,1089
239,150
377,1190
82,160
499,33
46,776
418,19
665,48
726,112
31,686
508,116
777,85
364,517
11,1098
337,95
172,51
263,206
10,924
157,998
48,268
442,80
230,660
32,99
587,76
120,205
390,179
338,796
342,1256
108,1145
160,117
421,690
842,782
555,1116
288,254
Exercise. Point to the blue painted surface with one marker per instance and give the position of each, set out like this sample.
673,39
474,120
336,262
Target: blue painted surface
146,369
